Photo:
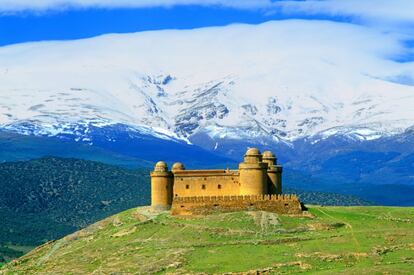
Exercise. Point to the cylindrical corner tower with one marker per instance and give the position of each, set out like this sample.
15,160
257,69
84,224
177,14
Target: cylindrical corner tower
269,158
161,187
278,184
274,173
253,177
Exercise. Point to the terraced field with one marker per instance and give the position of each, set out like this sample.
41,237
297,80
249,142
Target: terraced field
326,240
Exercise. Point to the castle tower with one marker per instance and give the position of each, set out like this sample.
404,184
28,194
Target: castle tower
161,187
274,173
253,174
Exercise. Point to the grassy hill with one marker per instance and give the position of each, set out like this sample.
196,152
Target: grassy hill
48,198
351,240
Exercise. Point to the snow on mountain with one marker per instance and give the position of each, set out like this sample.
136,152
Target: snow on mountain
282,80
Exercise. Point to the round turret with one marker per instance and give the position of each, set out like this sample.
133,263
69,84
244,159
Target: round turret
253,177
252,155
268,154
161,187
178,166
252,152
269,158
274,173
161,166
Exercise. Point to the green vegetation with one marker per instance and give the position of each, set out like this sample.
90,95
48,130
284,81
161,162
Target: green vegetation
327,198
328,240
48,198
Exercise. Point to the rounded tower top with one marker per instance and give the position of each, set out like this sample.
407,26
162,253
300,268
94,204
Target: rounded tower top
252,155
268,154
178,166
161,166
269,158
252,152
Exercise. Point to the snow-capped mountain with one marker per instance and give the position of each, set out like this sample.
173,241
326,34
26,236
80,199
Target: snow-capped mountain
334,100
279,81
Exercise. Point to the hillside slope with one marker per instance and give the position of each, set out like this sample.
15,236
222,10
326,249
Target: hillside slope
47,198
354,240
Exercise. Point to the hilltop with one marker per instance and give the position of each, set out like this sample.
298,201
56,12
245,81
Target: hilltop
327,240
48,198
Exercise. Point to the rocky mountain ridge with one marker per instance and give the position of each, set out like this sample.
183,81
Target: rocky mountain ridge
248,82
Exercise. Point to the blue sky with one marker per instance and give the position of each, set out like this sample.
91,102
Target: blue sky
88,22
37,20
81,23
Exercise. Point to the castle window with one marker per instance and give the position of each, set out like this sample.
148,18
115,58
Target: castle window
219,186
205,178
203,186
187,186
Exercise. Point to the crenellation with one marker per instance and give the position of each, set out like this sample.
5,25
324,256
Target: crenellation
207,205
237,198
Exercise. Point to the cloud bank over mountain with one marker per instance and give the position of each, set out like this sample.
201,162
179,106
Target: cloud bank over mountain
284,79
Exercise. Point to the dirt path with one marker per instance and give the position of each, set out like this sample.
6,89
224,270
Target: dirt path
348,225
54,248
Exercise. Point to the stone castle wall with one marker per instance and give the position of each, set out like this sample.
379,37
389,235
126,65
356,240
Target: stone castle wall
282,204
191,183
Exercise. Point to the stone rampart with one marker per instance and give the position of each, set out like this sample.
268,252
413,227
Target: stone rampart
203,205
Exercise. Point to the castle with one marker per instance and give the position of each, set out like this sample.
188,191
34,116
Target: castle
256,185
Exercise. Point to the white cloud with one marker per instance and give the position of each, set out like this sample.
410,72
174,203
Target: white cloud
389,10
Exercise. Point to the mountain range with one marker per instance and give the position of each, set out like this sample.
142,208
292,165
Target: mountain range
341,114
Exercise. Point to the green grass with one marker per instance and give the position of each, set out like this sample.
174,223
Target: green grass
330,240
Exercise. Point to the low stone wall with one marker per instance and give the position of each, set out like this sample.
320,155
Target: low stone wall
282,204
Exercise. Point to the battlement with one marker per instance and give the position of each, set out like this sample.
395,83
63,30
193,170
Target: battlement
282,204
273,197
